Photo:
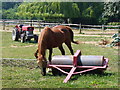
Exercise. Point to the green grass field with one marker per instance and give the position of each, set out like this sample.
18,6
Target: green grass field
22,77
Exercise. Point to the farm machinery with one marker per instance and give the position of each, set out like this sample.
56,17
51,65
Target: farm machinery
24,33
77,64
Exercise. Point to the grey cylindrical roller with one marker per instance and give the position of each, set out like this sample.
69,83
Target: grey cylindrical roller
84,60
62,60
90,60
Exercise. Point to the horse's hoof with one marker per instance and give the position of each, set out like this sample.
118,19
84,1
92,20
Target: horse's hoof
43,73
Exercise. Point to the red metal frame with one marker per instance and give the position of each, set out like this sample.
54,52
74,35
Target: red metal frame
75,66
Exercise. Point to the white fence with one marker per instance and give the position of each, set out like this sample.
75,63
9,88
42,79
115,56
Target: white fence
41,24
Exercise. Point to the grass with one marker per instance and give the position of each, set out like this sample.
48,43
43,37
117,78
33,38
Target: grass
23,77
10,48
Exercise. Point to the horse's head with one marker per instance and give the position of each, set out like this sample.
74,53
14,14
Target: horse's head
42,62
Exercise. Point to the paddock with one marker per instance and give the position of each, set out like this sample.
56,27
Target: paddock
19,67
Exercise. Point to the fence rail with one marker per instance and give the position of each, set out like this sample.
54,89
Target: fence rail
41,24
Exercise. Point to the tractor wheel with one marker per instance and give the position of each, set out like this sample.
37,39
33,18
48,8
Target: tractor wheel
15,35
35,38
22,38
56,72
28,40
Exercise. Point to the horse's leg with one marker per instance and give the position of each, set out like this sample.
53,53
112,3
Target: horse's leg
70,47
35,54
50,55
62,50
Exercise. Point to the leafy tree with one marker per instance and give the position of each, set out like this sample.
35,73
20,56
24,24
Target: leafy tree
111,12
8,5
75,12
9,9
90,12
9,14
48,10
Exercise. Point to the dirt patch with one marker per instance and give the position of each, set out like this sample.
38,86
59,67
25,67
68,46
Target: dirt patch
15,46
3,47
89,42
97,44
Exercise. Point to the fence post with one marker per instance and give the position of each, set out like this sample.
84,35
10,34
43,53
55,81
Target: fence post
31,23
80,29
3,24
20,22
103,27
39,25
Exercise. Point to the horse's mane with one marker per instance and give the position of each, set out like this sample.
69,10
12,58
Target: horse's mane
68,27
47,27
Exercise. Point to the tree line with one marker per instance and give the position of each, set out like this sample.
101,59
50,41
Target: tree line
67,12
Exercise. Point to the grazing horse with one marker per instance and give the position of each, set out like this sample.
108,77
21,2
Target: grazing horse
51,38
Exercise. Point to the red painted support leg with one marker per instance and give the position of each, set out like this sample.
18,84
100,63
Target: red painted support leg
69,75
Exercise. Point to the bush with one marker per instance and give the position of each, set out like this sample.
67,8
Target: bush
114,23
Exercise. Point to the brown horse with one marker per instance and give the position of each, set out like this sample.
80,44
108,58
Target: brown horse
51,38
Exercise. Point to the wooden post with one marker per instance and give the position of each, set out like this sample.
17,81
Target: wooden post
119,32
20,21
3,24
103,27
80,29
31,23
39,26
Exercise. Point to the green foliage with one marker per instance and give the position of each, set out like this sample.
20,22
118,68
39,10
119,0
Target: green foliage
45,10
103,20
88,12
8,5
114,23
10,13
112,11
9,9
76,12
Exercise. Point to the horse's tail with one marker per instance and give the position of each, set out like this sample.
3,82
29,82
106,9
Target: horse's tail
72,36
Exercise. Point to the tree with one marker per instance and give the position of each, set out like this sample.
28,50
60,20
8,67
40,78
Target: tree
48,10
9,10
90,12
75,12
111,12
8,5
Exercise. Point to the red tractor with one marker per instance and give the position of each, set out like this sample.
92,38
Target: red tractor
25,33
